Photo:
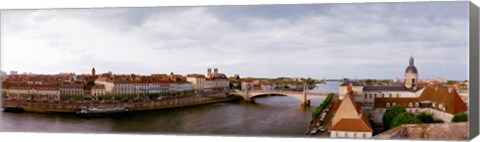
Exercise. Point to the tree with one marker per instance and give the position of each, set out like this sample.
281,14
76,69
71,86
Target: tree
461,117
405,118
426,118
310,81
91,83
390,114
368,81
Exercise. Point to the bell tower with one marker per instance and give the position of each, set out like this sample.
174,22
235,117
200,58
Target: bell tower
411,75
93,71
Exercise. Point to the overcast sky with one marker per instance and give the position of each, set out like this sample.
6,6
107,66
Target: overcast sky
372,40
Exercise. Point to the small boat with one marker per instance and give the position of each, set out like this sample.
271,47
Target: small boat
13,109
102,112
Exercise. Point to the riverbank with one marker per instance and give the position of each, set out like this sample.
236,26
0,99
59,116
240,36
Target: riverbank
72,107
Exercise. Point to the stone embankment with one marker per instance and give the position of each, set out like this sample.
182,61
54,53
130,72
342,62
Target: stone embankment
71,107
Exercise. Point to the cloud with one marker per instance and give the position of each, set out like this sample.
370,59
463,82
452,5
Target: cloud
366,40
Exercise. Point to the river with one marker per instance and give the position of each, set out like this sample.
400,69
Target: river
268,116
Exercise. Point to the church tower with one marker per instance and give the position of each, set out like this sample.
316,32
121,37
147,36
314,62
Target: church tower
93,71
411,75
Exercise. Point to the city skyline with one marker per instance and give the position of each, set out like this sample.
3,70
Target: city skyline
321,40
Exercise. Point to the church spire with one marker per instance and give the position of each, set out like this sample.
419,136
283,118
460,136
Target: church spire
411,61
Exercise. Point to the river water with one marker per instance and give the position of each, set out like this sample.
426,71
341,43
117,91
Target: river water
268,116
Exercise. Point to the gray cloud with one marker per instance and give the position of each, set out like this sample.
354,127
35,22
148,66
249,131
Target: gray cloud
372,40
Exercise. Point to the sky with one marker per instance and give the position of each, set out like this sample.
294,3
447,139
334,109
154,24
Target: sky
365,40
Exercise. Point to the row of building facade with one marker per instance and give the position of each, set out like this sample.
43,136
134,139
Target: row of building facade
108,83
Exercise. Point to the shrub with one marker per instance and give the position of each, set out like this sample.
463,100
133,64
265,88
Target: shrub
461,117
405,118
426,118
390,114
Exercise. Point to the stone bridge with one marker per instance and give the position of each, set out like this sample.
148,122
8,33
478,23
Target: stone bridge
304,97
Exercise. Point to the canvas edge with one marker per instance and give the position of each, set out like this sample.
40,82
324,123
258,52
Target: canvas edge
474,70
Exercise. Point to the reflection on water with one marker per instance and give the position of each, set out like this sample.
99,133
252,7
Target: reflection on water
269,116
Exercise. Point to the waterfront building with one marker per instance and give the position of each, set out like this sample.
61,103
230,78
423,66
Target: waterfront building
349,120
98,90
216,81
197,81
247,85
179,86
209,84
137,84
52,90
71,88
267,85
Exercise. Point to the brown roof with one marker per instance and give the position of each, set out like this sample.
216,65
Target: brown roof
358,125
98,86
439,95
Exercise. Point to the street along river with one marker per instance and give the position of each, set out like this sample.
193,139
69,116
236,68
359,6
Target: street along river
268,116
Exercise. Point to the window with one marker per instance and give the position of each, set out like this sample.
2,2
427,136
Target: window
389,95
397,95
417,104
433,104
365,96
375,95
383,95
410,104
388,105
394,104
370,96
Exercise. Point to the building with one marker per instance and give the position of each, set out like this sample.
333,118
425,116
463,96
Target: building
247,85
267,85
216,81
443,102
98,90
52,91
71,89
138,84
197,81
349,120
411,75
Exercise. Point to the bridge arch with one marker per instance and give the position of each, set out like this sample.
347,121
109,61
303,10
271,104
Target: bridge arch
301,96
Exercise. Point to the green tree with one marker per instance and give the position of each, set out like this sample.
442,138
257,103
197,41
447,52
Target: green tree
368,81
461,117
310,81
91,83
405,118
390,114
426,118
451,82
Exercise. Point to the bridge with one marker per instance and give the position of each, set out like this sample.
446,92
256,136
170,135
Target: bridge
304,97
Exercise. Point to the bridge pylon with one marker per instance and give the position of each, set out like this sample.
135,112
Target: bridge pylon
305,100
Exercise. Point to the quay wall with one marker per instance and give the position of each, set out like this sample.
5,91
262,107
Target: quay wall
132,106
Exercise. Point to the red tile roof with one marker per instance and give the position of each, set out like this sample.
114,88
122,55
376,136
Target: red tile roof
440,95
358,125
